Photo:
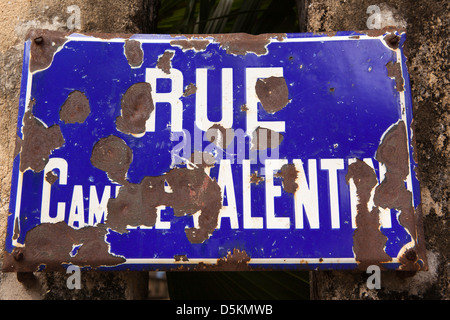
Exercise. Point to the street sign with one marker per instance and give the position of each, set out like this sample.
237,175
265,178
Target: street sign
214,152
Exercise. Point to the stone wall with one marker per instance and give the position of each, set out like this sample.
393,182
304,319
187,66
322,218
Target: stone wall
427,27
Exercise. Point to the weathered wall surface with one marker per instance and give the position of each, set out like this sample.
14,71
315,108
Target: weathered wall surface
17,17
427,27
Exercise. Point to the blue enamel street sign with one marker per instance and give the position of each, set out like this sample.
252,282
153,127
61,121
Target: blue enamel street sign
214,152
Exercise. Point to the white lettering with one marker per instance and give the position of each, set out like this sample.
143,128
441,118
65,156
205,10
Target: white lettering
172,97
225,182
385,214
98,209
273,191
76,214
249,221
161,224
306,196
332,165
201,101
61,165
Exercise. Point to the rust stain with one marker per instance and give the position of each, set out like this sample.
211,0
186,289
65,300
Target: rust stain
220,136
266,138
16,229
254,178
38,142
382,31
192,191
236,261
392,193
273,93
134,53
392,40
395,71
131,207
368,241
190,89
75,109
288,173
51,177
41,250
108,36
244,108
137,105
112,155
194,44
164,61
44,44
243,43
181,257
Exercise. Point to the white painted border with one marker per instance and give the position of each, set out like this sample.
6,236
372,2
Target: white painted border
254,261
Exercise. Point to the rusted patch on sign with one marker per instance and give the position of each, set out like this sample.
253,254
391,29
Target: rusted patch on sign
243,43
51,177
38,142
273,93
236,261
52,252
137,105
165,61
255,178
134,53
220,136
193,44
368,241
181,257
382,31
265,139
392,193
194,191
392,40
16,229
288,173
44,44
191,191
131,207
75,109
190,89
395,71
112,155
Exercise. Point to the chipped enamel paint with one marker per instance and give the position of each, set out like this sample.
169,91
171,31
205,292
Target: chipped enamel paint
231,155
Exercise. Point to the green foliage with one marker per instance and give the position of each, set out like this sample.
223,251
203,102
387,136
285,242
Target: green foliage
224,16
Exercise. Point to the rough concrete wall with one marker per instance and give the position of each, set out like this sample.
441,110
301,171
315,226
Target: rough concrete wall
17,17
427,27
